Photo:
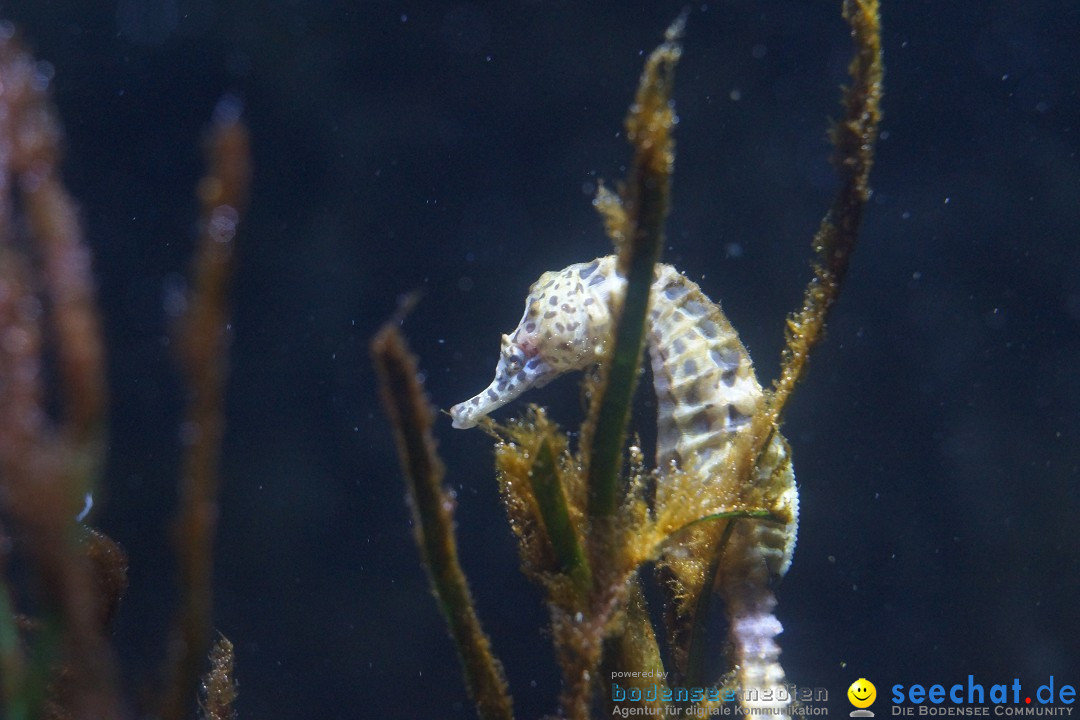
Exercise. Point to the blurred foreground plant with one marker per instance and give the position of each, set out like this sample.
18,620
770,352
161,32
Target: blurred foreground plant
57,662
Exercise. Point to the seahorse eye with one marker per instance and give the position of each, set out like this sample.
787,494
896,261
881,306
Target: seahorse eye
514,359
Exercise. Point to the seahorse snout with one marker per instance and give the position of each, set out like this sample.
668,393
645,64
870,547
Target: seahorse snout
512,377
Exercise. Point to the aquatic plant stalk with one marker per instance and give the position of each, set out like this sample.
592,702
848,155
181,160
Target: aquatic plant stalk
204,347
432,507
219,684
47,466
551,501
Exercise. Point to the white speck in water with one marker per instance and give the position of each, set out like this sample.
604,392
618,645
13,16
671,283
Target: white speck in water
88,503
735,94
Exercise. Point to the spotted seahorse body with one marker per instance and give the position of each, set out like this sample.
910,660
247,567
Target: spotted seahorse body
706,394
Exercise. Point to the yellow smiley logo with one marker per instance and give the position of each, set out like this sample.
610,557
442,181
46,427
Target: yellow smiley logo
862,693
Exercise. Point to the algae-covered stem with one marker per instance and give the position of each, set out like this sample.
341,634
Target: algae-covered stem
548,491
410,415
218,692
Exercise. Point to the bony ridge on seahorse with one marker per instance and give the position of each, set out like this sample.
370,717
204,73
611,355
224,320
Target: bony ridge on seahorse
706,395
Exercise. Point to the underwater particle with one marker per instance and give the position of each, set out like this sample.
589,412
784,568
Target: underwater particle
88,504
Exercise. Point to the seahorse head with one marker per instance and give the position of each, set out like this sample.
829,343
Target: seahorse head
566,324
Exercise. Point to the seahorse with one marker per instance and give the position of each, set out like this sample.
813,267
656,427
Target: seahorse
706,394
